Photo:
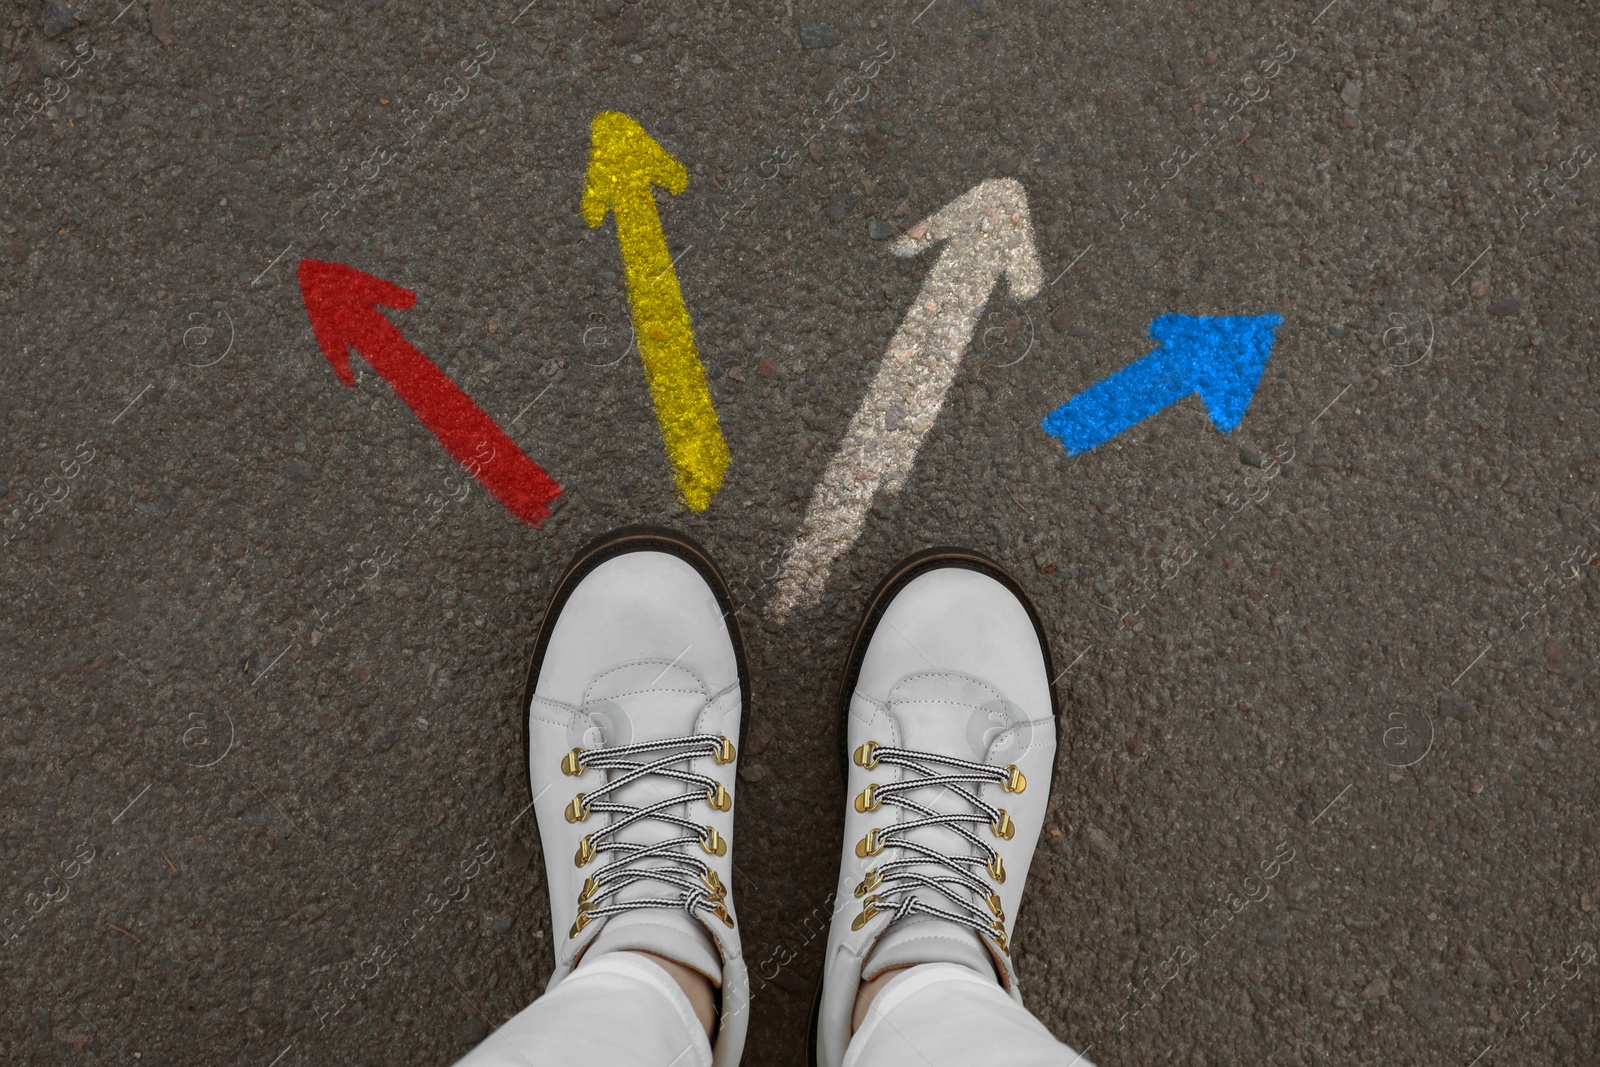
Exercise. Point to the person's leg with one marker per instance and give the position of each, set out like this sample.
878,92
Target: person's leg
945,1015
619,1009
635,699
949,723
696,986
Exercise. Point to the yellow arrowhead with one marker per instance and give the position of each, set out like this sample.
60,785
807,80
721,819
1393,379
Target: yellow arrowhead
624,164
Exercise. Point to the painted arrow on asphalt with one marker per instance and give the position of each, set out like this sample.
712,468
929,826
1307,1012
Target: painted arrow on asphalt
1221,359
342,304
986,233
625,164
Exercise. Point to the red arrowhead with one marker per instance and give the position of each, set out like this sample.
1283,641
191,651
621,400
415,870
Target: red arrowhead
342,304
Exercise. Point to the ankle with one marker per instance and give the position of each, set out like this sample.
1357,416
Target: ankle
696,986
867,992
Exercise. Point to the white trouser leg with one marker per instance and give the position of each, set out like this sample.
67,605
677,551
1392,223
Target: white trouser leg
943,1015
618,1010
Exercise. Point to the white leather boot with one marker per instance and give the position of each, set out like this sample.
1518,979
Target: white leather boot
949,732
635,701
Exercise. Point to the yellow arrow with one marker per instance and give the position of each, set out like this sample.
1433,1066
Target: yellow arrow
624,163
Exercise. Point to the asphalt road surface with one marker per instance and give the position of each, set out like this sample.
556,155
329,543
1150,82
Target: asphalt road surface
1326,792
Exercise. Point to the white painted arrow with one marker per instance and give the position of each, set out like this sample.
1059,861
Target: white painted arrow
987,233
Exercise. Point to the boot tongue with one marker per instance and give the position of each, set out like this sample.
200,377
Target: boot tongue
959,716
925,939
671,933
944,713
647,701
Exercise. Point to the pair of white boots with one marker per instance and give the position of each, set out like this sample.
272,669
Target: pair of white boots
637,699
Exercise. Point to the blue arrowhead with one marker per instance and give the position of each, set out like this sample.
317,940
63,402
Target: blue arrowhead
1220,358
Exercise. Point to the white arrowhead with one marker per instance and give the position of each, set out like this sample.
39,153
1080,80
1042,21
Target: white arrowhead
986,233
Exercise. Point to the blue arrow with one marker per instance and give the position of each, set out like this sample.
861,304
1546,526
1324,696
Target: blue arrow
1220,358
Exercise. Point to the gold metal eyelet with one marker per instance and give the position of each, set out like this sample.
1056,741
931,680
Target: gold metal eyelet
709,879
591,885
577,811
867,755
578,925
867,912
870,845
997,869
999,932
721,912
872,881
1015,781
713,842
572,763
1002,826
869,800
724,752
719,798
585,852
995,906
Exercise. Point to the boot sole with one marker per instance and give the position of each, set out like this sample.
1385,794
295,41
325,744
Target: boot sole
914,566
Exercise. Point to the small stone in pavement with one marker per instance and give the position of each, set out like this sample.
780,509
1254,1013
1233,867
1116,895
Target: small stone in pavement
839,205
57,19
816,35
160,15
629,24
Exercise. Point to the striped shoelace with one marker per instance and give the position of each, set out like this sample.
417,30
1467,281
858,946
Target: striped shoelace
684,880
955,882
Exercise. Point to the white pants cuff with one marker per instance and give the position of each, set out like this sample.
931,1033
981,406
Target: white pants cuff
943,1015
617,1010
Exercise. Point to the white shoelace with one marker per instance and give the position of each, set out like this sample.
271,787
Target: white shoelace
698,887
892,885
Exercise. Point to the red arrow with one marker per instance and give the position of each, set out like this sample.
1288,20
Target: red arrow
343,303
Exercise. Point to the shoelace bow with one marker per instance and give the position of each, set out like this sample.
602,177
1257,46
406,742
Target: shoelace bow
698,886
890,886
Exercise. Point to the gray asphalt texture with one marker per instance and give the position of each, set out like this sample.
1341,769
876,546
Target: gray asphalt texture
1326,791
